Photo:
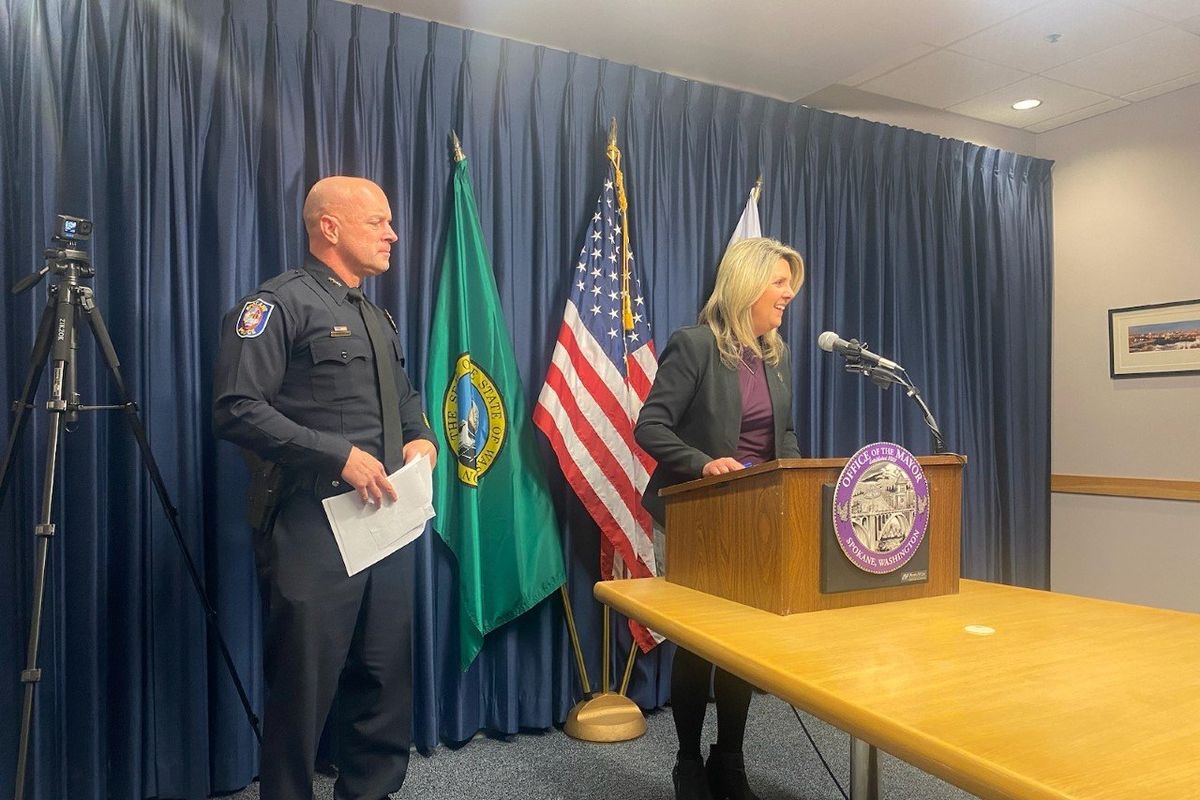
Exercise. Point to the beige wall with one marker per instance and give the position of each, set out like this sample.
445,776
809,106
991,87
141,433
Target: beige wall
1127,232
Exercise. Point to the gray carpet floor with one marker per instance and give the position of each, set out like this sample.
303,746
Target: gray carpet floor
553,766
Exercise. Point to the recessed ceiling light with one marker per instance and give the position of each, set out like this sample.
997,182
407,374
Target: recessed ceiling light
1025,105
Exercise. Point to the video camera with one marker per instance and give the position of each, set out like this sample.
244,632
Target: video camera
72,229
67,257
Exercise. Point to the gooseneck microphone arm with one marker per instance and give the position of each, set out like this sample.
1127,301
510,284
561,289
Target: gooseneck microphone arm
939,443
883,373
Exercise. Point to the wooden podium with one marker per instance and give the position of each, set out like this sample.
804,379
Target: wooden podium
754,536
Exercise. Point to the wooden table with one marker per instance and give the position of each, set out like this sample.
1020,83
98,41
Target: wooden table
1068,698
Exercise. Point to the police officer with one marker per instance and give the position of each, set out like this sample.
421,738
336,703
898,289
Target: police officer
310,383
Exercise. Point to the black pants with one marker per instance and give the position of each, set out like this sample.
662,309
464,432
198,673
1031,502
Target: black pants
331,634
690,675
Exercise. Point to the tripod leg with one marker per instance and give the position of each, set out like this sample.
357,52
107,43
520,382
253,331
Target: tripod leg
37,362
59,317
100,332
31,675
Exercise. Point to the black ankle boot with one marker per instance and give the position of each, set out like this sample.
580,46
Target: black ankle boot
727,776
690,782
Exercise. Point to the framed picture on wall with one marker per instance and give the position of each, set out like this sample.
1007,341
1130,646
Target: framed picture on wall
1162,339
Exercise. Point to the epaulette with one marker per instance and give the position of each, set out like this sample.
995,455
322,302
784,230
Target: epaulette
274,283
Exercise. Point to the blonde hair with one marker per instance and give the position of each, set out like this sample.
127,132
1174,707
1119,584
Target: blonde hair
742,276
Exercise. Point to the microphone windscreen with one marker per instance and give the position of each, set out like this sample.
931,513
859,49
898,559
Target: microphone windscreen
826,341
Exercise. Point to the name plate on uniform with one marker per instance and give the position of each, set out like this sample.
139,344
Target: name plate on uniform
873,534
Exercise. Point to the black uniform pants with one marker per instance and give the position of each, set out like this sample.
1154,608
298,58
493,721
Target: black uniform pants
331,634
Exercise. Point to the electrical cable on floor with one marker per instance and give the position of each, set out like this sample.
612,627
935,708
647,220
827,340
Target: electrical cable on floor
817,750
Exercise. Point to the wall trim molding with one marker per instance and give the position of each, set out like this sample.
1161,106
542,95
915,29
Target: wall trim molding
1113,486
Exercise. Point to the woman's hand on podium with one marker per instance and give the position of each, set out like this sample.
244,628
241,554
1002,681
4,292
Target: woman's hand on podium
720,466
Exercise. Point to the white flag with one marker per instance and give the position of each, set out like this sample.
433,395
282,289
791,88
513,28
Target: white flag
748,226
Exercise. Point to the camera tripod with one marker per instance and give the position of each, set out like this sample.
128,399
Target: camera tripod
68,301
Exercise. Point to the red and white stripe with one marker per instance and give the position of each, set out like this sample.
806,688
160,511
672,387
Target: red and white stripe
587,409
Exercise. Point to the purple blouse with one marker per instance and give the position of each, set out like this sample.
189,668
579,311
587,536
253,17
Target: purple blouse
756,443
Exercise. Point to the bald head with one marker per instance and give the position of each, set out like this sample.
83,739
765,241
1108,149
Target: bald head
335,195
349,226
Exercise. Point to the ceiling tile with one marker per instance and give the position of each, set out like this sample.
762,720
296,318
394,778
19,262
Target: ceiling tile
1163,88
884,66
1086,27
1170,10
789,49
936,22
774,65
1161,56
942,79
1057,99
1076,116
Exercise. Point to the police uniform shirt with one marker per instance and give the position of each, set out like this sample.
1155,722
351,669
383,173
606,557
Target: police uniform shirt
295,379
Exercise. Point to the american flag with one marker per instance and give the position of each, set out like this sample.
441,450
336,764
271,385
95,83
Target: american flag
598,379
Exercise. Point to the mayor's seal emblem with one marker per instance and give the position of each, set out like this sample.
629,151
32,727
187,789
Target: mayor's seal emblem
881,507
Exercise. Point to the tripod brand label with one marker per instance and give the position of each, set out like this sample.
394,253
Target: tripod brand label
253,320
881,508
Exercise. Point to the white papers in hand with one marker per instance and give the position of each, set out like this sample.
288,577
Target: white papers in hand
367,533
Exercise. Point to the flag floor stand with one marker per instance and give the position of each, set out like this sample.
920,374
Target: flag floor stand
604,716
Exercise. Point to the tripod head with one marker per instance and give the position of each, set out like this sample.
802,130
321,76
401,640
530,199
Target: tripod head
67,257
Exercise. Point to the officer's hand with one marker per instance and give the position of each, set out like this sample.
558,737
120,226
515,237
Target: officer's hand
364,472
720,466
421,447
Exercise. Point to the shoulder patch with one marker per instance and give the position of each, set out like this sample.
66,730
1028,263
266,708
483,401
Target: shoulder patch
254,317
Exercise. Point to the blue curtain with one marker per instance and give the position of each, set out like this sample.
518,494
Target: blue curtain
190,131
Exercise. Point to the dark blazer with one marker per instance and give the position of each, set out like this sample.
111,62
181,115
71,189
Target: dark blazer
694,412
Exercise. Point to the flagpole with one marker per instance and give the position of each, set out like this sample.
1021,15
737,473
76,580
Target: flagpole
579,663
614,155
633,648
531,532
610,716
568,612
605,655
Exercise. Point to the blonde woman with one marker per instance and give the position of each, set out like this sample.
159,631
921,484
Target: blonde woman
721,401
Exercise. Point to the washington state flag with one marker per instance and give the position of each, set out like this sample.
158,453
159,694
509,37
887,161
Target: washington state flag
489,488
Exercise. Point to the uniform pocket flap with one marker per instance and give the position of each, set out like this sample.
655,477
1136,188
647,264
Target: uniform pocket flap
341,350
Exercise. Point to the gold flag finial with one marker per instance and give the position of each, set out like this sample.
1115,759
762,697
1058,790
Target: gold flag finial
459,155
614,156
756,192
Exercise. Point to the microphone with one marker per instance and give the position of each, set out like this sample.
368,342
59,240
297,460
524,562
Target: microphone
883,372
831,342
